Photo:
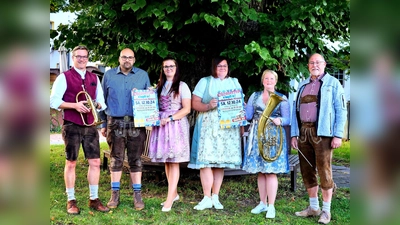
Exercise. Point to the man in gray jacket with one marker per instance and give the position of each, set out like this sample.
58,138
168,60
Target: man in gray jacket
318,119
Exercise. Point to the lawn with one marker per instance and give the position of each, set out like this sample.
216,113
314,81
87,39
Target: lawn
238,195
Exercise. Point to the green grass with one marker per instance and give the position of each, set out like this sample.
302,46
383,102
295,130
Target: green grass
341,156
238,195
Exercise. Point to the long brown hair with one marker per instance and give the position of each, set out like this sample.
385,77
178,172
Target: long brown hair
175,82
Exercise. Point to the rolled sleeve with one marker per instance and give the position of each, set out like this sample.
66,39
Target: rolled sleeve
57,92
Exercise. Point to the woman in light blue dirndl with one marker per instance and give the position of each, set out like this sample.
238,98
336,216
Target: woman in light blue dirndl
252,161
213,148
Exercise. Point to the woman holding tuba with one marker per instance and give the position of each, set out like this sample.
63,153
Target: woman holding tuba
265,151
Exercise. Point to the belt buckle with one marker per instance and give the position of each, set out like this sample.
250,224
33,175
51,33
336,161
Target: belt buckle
126,118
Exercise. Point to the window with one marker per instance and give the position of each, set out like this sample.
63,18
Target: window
339,74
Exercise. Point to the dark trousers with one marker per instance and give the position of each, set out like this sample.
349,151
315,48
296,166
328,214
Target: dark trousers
122,135
319,152
76,135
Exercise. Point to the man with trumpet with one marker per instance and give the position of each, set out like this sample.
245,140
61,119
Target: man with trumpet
73,92
317,125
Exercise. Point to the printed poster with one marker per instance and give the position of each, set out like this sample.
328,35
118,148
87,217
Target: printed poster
145,108
231,109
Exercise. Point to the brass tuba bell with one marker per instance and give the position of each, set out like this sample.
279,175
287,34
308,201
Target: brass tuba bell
92,106
265,139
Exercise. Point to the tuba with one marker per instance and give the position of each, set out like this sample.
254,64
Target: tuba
266,139
92,106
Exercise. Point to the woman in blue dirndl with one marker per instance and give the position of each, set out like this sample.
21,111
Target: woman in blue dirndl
252,161
213,148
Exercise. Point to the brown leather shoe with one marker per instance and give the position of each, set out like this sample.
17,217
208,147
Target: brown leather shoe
137,200
96,205
72,208
114,200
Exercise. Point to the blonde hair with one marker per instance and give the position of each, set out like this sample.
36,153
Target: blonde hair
80,47
269,71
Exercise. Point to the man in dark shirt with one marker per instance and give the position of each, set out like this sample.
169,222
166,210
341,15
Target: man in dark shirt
120,131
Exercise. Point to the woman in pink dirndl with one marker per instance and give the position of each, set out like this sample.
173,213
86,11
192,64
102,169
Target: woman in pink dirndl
169,143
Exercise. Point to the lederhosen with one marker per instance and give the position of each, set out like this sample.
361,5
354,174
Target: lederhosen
317,150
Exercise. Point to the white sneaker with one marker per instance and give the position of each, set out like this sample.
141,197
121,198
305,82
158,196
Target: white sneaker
259,208
270,212
215,202
206,203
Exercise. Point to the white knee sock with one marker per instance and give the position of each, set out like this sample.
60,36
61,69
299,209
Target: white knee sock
94,190
70,193
326,206
314,203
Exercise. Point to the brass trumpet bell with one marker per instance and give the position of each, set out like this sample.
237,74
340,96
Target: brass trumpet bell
92,106
266,139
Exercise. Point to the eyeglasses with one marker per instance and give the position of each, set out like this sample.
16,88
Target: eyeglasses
315,63
169,67
127,57
81,56
222,66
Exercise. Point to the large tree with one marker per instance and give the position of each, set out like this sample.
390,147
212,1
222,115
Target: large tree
253,34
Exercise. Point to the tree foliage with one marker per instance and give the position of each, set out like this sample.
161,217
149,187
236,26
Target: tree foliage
254,34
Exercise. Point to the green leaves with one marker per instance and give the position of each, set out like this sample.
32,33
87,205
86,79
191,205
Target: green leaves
252,47
253,35
213,20
250,13
134,5
167,24
147,46
263,57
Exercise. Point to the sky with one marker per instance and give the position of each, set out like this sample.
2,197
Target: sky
62,18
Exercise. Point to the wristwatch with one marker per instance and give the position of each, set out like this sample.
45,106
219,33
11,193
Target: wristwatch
171,118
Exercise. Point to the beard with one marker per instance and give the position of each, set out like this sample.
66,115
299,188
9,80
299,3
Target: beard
127,65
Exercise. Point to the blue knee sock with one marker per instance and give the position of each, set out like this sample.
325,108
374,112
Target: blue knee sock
137,187
115,186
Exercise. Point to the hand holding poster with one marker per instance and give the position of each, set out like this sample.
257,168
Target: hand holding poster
231,108
145,108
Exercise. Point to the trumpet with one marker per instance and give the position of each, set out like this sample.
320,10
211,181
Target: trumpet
92,105
266,139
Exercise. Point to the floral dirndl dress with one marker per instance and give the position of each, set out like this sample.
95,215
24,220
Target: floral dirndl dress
211,145
252,160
